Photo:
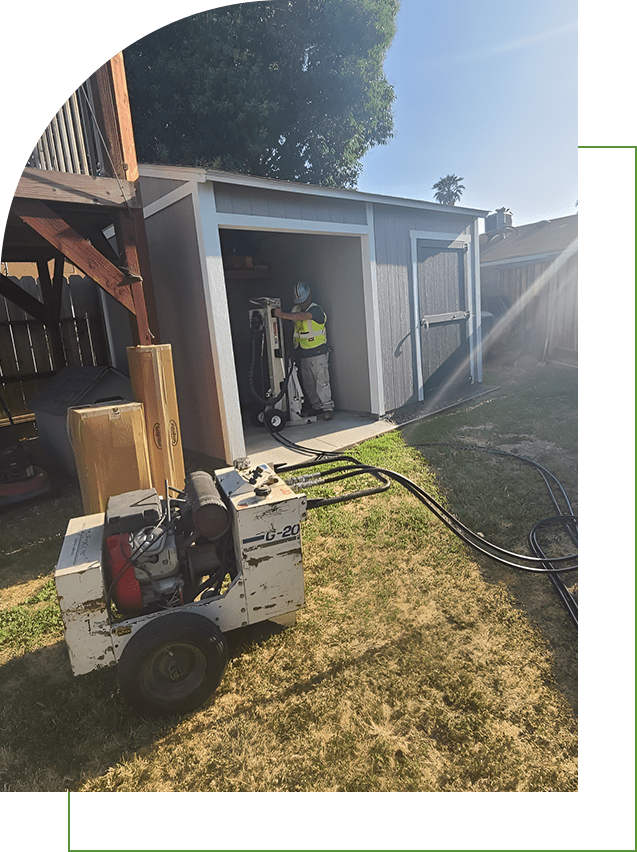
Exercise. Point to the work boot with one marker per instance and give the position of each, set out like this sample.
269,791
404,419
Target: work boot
328,415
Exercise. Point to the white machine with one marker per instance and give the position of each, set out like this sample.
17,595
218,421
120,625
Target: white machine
153,583
280,393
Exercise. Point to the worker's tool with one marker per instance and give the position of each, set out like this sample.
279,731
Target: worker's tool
274,380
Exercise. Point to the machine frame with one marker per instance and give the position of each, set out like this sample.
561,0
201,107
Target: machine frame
265,519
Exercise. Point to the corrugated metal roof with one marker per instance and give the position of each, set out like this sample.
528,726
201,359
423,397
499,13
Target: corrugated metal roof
535,240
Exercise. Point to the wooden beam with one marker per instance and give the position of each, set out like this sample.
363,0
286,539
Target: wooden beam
75,248
126,236
102,82
52,295
123,118
143,257
14,293
77,189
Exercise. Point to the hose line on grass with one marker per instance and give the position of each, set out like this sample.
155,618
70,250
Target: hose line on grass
539,563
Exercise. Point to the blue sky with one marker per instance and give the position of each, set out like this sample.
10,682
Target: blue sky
487,91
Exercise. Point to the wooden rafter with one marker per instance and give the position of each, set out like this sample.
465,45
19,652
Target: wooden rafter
81,253
122,286
52,295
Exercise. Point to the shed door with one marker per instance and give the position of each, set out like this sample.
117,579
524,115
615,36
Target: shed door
443,310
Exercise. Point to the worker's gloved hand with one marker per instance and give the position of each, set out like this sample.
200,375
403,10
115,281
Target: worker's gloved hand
277,312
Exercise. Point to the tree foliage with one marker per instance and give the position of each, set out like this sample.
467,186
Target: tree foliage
293,89
449,189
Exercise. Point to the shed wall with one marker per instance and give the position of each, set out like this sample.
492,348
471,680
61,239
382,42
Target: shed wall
253,201
392,227
182,313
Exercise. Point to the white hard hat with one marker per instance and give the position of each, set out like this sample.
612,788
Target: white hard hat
302,292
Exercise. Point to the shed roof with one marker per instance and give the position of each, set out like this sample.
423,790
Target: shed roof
539,239
199,174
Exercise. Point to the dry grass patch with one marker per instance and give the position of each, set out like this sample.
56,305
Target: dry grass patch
406,671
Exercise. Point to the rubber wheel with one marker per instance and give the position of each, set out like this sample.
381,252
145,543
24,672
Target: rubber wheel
173,664
275,419
258,417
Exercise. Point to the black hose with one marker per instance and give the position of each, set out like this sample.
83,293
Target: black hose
566,518
565,596
537,564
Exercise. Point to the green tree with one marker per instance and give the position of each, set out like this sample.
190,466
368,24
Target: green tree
449,189
293,90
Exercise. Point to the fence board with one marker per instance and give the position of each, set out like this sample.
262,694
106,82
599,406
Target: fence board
25,352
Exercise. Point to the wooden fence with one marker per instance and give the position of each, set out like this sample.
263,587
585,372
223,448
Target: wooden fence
26,362
542,302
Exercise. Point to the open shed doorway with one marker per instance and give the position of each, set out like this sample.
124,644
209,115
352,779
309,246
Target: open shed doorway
265,263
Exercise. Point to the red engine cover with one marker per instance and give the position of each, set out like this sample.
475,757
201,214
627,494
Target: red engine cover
127,592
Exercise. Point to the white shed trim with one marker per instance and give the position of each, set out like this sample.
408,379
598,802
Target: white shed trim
169,199
372,316
240,221
477,295
225,388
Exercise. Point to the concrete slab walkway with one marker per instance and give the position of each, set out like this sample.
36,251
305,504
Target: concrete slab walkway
346,429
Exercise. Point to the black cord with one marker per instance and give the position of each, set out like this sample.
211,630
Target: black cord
566,518
536,564
473,539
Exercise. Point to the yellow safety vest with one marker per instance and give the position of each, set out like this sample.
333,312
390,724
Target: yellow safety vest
309,334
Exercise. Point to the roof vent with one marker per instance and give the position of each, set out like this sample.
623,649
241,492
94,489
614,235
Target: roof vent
498,221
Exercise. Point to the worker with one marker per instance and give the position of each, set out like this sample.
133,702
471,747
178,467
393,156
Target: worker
310,344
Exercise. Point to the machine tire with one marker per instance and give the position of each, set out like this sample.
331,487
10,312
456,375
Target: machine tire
258,417
275,419
173,664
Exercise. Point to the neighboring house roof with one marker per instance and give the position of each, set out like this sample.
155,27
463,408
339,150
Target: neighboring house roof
536,241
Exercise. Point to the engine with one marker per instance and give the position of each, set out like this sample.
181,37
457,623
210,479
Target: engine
164,552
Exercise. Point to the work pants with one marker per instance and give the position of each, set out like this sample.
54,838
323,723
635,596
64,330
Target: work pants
315,378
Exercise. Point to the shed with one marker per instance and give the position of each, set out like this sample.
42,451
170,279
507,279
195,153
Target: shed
398,278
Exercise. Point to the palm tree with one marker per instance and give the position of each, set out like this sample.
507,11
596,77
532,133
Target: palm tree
449,189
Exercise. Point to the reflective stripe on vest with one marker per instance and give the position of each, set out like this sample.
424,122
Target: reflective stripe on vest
309,334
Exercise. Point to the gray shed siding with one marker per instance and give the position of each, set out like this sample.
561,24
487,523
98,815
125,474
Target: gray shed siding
277,204
392,227
156,188
182,314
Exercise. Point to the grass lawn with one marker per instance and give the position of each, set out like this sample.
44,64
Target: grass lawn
414,666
